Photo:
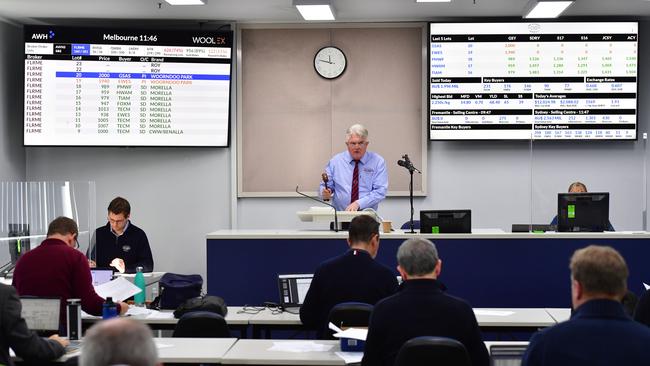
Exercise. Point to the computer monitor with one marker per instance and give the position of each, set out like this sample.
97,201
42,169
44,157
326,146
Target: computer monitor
586,211
506,355
41,314
101,275
445,221
293,288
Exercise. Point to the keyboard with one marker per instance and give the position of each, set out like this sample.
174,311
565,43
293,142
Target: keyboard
74,346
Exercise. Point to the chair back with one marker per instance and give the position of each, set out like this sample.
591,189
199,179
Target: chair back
350,314
201,324
421,351
407,225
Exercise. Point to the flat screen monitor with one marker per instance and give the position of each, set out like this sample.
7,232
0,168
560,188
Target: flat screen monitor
582,212
445,221
126,87
533,80
293,288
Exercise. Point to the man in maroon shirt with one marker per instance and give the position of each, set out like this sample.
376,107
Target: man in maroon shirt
56,269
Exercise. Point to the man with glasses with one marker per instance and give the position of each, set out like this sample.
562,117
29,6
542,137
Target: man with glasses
119,243
357,179
56,269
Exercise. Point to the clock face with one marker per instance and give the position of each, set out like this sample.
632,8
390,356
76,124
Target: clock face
330,62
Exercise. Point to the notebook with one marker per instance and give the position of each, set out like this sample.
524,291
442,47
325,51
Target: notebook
293,288
41,314
101,275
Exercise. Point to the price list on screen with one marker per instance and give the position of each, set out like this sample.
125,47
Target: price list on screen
542,81
100,87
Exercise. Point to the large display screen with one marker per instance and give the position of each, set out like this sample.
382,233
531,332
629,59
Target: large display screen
542,81
120,87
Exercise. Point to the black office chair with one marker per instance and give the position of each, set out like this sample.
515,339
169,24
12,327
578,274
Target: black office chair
350,314
201,324
407,225
427,351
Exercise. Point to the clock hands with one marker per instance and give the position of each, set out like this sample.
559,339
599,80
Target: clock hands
329,62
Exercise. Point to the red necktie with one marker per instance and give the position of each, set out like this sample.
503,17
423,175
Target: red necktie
355,183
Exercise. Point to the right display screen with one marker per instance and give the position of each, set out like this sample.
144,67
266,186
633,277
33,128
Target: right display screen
542,81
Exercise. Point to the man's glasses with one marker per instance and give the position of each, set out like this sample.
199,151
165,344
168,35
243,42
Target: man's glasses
355,144
76,243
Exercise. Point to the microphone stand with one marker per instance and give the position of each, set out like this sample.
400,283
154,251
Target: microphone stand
411,199
336,220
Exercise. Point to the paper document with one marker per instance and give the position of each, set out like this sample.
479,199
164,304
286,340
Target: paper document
119,289
155,314
646,285
350,357
163,345
300,347
353,333
493,312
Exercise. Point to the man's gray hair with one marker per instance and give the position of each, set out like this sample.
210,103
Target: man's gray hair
119,341
356,129
417,256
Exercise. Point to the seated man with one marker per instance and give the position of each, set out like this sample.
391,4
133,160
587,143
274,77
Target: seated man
353,276
420,308
119,243
599,332
57,269
15,334
579,187
119,342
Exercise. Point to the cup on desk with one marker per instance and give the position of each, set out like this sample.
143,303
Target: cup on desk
387,226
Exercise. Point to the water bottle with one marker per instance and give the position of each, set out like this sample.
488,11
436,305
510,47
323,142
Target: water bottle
109,309
139,282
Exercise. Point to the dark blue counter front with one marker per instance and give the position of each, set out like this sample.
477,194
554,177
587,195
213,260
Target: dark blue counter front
511,272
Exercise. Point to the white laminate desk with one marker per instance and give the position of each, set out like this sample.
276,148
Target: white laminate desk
511,317
193,350
256,352
559,314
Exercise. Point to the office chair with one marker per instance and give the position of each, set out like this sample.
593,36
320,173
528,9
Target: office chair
406,225
426,351
350,314
201,324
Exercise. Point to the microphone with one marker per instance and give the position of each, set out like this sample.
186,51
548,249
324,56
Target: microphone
406,163
336,220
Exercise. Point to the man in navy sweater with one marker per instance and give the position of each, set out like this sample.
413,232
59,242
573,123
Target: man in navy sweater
420,308
119,243
353,276
599,332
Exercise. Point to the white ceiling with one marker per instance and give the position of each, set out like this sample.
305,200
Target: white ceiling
68,12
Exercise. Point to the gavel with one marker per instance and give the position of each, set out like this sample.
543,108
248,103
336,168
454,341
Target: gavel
325,180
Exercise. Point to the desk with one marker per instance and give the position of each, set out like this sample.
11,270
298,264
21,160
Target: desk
489,270
193,350
559,314
520,319
236,321
256,352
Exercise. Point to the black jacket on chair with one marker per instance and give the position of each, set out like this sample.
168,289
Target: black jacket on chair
15,334
351,277
421,308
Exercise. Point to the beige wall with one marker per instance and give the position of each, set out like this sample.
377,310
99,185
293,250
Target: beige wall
293,121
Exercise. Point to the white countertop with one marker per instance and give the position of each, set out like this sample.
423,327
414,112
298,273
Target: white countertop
400,234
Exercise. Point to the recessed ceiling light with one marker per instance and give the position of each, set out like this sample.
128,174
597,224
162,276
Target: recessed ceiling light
315,9
186,2
546,8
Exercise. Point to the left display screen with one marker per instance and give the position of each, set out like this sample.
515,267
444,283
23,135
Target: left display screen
117,87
